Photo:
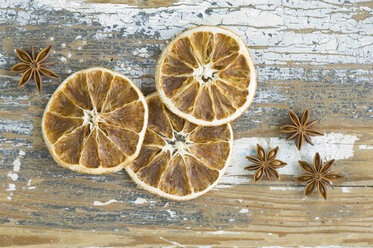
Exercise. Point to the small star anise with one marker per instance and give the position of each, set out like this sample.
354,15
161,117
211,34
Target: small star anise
317,176
265,163
301,129
33,66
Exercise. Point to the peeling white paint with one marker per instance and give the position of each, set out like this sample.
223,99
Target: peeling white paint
277,25
99,203
330,146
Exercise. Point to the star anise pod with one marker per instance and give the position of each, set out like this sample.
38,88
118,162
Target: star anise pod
265,163
33,66
317,176
300,129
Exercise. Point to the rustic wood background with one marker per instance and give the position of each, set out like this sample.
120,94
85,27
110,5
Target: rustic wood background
308,54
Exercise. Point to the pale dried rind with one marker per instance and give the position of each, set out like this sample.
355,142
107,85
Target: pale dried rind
95,122
180,160
206,76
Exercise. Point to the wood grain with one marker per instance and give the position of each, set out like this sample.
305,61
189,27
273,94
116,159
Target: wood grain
315,55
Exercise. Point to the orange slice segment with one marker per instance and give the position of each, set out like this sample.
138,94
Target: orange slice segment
180,160
206,76
95,122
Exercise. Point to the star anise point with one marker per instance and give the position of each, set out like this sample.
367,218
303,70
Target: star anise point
265,164
300,129
32,67
317,176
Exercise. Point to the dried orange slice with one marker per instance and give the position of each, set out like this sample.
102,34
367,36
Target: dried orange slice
180,160
95,121
206,76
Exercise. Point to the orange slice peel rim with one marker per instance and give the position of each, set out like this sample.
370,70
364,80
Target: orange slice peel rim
141,134
243,50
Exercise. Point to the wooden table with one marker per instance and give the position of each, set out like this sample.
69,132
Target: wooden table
308,54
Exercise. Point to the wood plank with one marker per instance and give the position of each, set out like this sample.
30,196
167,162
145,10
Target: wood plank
241,216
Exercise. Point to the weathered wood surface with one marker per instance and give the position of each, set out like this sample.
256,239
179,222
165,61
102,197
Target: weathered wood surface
308,54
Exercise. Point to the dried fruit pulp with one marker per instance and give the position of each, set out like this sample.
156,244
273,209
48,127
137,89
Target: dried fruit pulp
95,121
206,76
180,160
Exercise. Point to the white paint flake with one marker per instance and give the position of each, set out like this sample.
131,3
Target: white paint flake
140,201
284,188
244,210
13,176
29,185
141,52
172,242
171,213
346,189
222,232
11,187
16,165
99,203
330,146
365,147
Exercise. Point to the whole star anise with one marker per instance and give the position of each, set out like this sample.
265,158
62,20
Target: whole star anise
33,66
317,176
300,129
265,164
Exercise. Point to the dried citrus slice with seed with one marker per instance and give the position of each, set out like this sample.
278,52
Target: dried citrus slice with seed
95,121
206,76
180,160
